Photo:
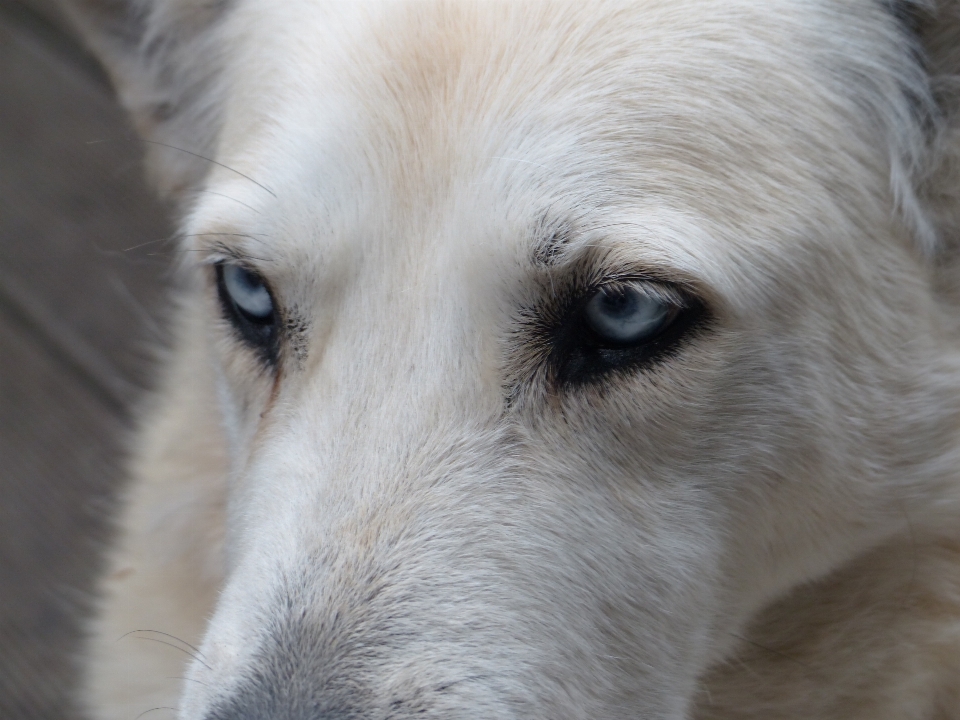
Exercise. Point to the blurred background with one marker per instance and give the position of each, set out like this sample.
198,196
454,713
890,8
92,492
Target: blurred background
84,260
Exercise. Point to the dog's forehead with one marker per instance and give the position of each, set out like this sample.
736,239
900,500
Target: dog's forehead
675,126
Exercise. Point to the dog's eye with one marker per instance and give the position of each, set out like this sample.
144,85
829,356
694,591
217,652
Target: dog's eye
621,326
247,303
625,315
248,293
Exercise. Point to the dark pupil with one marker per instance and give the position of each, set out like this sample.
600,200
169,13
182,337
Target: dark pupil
249,279
618,303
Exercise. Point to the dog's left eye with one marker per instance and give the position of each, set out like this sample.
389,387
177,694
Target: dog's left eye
625,315
247,303
621,326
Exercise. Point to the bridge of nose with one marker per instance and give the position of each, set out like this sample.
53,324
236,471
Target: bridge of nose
420,326
407,377
389,421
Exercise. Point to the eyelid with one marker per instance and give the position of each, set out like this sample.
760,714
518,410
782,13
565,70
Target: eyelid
219,251
655,289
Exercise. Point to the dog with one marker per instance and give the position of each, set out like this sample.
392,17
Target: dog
554,361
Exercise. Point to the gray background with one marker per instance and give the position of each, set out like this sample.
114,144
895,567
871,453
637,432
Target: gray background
83,266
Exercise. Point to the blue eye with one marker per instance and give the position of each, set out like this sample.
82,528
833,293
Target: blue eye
248,292
626,315
617,327
248,305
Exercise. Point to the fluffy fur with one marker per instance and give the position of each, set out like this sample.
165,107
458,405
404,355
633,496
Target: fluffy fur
407,515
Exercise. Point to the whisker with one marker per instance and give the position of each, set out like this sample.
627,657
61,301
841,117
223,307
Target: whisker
252,236
177,677
177,647
148,242
168,644
211,160
161,707
165,634
107,252
211,192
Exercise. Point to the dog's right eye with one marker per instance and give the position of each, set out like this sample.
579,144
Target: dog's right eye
248,304
248,292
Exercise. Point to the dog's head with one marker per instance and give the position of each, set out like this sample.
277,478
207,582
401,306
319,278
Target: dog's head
553,342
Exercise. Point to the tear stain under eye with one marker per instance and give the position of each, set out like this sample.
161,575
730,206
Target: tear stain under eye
264,415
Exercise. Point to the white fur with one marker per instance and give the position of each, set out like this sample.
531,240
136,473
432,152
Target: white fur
406,517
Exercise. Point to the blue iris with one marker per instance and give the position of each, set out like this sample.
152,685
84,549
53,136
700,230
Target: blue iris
625,314
248,292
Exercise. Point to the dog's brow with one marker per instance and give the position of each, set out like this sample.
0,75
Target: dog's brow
558,246
550,237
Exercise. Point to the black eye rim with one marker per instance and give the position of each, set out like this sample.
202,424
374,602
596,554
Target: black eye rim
580,356
262,334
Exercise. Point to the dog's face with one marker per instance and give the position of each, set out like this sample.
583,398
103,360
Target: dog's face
553,343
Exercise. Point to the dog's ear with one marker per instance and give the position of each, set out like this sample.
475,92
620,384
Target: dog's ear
161,59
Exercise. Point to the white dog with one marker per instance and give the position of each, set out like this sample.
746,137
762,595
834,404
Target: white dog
545,361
